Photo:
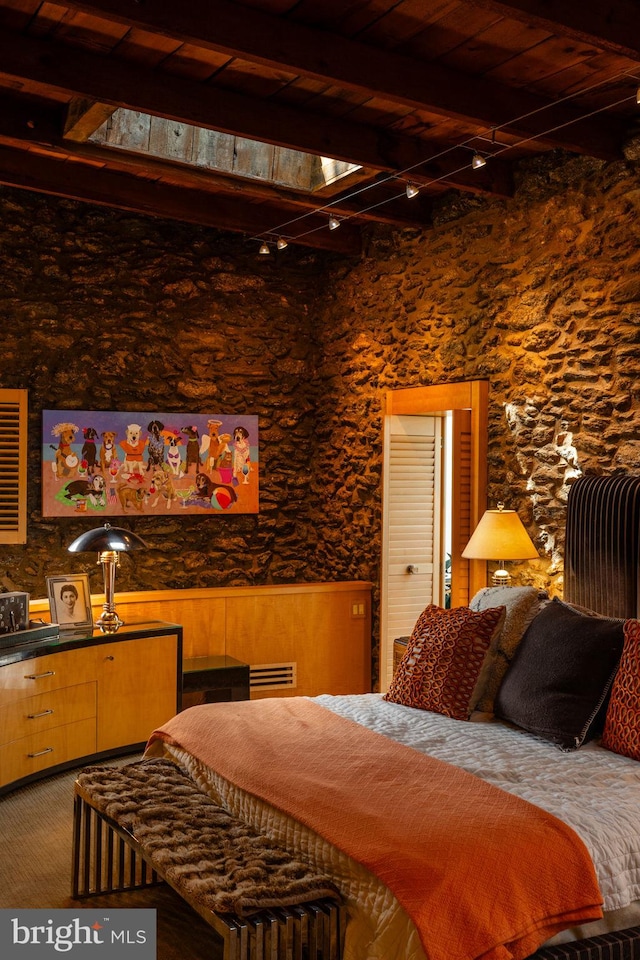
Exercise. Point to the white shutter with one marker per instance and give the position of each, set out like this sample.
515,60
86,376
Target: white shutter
13,466
411,527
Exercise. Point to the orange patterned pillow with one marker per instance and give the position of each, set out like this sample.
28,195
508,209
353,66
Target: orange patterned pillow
443,663
622,725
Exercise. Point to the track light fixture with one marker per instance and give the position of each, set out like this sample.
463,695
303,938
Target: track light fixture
477,162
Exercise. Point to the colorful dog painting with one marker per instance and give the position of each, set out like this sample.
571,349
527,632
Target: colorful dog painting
148,463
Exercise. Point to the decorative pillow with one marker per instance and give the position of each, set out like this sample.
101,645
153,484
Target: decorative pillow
561,675
444,660
622,724
521,604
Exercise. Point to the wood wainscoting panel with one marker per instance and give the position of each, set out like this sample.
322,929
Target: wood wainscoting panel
324,628
326,633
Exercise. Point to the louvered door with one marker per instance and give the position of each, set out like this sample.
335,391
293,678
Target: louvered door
412,547
13,466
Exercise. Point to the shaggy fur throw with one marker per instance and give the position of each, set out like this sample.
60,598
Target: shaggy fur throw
211,857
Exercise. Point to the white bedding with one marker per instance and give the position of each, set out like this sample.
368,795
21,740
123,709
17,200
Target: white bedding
594,791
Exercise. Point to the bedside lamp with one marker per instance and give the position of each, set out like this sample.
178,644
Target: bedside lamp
500,536
109,542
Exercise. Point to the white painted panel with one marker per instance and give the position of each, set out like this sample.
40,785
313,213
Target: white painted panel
411,527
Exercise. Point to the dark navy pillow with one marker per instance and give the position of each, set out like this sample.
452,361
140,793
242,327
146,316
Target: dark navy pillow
560,678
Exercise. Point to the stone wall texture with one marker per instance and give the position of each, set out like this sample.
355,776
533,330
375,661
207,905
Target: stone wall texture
540,294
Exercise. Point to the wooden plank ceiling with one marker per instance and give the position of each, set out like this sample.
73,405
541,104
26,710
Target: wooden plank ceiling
152,106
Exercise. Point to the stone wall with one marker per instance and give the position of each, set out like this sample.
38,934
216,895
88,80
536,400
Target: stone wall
105,311
539,293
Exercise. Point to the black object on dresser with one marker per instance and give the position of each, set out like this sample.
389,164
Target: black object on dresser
214,679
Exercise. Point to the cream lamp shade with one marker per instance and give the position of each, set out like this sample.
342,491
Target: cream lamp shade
501,536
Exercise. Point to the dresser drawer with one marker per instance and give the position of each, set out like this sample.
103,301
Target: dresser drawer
41,674
33,715
21,758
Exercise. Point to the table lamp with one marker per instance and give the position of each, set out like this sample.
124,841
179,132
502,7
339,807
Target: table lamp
500,535
109,542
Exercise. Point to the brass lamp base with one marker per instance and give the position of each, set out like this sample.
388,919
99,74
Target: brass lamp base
109,621
501,578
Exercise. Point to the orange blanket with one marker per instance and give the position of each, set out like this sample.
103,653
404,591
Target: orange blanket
480,872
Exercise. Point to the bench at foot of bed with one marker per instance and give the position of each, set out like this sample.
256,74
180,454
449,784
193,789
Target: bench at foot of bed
148,822
621,945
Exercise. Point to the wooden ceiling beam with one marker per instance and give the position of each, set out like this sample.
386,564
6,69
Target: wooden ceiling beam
612,26
284,44
74,180
84,117
23,119
80,73
361,206
25,125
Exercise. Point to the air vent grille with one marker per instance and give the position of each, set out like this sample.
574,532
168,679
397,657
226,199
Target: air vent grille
273,676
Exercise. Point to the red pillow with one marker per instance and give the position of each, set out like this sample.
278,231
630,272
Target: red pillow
443,664
621,732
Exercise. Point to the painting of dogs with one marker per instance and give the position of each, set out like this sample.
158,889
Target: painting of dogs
146,463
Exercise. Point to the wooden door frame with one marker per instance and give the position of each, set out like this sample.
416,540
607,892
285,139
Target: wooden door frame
472,395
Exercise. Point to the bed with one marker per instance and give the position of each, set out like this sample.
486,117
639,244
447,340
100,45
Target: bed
487,806
558,766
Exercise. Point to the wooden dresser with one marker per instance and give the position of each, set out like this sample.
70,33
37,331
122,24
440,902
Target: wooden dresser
85,696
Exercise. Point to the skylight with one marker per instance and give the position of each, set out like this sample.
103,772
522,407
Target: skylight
209,150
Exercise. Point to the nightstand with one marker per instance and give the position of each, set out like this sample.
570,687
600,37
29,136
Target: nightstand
214,679
399,650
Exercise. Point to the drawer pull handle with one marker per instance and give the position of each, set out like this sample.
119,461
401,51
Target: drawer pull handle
40,753
109,657
40,676
36,716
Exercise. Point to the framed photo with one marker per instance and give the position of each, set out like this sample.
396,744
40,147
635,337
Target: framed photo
70,601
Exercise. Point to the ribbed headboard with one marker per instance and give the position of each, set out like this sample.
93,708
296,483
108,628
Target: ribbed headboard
601,561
